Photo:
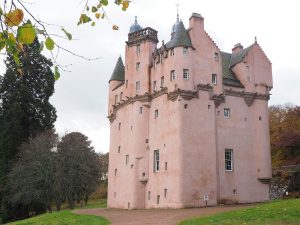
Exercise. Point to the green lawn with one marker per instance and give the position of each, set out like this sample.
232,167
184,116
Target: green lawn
284,212
66,217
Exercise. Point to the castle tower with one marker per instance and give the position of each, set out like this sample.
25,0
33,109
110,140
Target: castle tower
189,123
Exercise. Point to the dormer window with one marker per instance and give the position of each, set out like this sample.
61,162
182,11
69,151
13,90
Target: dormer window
185,50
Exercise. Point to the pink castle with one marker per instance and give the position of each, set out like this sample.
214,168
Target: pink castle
189,123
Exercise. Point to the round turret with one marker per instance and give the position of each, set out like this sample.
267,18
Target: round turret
174,28
135,27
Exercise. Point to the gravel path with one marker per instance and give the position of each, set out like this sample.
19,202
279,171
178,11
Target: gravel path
155,216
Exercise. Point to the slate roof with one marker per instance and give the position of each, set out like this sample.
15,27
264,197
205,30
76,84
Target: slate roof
229,77
119,71
181,38
238,57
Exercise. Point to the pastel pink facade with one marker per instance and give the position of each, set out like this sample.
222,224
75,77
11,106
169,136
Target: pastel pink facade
188,122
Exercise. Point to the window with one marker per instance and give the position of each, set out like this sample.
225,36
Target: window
137,66
166,166
115,194
119,149
138,49
216,56
172,51
226,113
158,197
127,159
214,78
126,83
208,106
185,106
155,113
116,171
119,126
141,110
137,85
149,195
154,86
116,99
172,75
185,50
162,81
146,140
228,160
165,192
121,96
156,160
186,74
259,118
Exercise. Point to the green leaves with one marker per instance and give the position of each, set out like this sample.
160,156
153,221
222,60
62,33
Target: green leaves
69,36
94,9
84,19
49,43
56,73
104,2
26,33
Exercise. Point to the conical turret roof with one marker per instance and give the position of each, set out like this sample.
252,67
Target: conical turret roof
119,71
180,37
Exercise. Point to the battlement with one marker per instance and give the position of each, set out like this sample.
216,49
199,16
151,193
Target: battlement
145,34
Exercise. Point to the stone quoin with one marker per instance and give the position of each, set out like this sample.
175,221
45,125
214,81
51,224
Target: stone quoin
189,123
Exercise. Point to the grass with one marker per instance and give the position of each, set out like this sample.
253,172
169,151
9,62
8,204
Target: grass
66,217
281,212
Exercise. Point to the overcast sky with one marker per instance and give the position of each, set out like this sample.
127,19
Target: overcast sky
81,95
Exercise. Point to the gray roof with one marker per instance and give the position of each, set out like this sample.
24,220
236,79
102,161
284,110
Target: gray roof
135,27
180,38
229,77
174,28
119,71
238,57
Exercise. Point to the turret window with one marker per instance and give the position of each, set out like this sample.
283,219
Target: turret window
214,78
185,50
172,75
137,85
186,75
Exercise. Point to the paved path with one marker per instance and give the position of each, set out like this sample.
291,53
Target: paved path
155,216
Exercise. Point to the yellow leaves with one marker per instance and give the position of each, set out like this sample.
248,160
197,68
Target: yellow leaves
125,5
115,27
97,15
14,17
26,33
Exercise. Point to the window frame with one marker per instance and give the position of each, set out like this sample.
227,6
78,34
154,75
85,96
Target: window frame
156,160
155,113
227,112
172,75
138,49
137,66
154,85
127,159
214,78
162,81
137,85
228,156
186,74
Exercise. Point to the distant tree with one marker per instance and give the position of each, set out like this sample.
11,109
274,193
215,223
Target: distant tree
78,164
285,134
103,162
24,97
30,185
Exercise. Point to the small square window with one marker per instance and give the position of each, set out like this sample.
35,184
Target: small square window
186,75
259,118
155,113
226,112
214,78
147,141
172,75
185,50
141,110
228,160
138,65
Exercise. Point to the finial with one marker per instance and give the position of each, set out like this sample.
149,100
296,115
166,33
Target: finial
135,19
255,40
177,6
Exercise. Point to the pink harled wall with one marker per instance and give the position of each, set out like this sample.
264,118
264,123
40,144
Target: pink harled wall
191,135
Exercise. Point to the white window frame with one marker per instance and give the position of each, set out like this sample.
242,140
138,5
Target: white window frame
214,78
172,75
228,160
156,161
227,112
185,50
186,74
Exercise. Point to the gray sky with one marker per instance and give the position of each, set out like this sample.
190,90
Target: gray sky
81,95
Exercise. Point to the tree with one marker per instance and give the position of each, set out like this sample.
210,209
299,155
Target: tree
24,96
103,162
31,182
285,134
78,164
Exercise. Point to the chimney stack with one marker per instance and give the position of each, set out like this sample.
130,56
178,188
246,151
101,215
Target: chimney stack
237,48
